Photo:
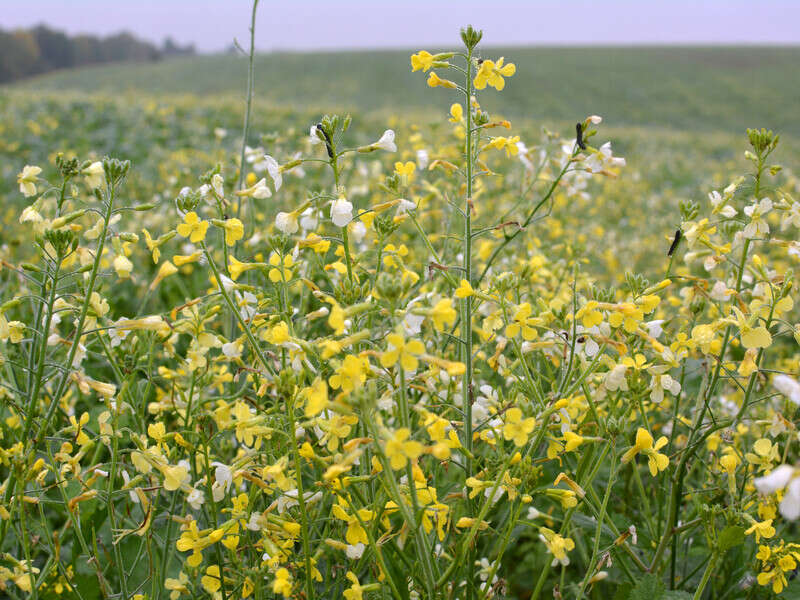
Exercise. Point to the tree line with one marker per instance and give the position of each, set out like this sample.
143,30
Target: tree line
26,52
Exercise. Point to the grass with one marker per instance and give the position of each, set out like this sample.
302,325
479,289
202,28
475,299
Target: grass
684,88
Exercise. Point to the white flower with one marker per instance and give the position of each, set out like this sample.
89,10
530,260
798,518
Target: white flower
223,479
782,477
260,190
386,142
787,386
358,230
412,324
662,381
720,292
27,180
196,498
286,222
274,170
341,212
355,552
232,349
654,328
792,216
133,495
615,379
30,215
757,227
522,153
95,176
719,206
603,159
403,206
309,219
220,133
313,136
216,182
422,159
595,119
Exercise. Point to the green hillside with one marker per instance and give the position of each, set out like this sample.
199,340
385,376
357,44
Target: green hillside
712,88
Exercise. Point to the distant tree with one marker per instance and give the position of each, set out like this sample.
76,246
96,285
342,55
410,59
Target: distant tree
170,48
55,47
28,52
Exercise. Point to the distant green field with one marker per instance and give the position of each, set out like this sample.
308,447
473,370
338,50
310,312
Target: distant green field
685,88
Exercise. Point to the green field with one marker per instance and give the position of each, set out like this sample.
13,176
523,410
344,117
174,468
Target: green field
625,403
688,88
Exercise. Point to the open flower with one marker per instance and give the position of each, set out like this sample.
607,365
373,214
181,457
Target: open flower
644,444
341,212
193,228
516,428
27,180
491,73
400,350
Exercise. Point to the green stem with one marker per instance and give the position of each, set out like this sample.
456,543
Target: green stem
250,78
301,501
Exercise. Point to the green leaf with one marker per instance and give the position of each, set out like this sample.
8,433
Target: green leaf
676,595
649,587
730,537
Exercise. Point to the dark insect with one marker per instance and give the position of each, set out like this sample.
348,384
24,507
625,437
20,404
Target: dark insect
675,242
579,136
328,146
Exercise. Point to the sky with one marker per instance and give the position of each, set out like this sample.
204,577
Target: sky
212,25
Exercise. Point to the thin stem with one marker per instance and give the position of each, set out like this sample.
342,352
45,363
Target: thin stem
250,78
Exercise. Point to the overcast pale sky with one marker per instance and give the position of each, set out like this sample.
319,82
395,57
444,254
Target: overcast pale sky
330,24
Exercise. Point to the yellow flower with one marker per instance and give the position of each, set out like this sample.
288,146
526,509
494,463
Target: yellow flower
316,398
355,592
399,451
509,144
443,313
282,583
13,330
464,290
123,266
277,335
355,534
405,352
211,580
177,586
748,365
405,170
181,259
516,428
456,113
765,454
557,546
573,440
351,374
174,475
492,73
193,228
234,231
752,337
703,337
644,443
435,81
422,60
523,322
236,268
762,529
628,315
281,270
